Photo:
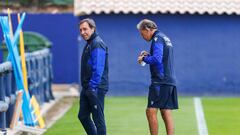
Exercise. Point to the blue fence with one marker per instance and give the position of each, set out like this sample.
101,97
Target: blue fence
39,67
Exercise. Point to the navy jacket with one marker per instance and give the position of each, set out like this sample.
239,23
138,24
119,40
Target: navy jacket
161,60
94,64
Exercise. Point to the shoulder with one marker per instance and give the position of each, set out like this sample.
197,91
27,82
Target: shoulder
161,37
157,41
98,43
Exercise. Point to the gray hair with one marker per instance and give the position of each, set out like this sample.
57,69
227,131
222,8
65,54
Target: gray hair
90,22
146,24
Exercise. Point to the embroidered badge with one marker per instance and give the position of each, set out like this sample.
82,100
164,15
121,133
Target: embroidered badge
152,102
155,39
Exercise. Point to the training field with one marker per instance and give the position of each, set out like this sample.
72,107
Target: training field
126,116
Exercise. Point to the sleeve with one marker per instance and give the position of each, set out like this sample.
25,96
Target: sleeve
98,56
157,54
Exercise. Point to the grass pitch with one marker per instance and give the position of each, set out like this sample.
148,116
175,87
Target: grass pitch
126,116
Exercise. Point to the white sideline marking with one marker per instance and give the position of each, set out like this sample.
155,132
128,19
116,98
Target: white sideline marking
202,126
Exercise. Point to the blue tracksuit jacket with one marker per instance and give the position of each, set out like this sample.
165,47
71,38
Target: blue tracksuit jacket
94,64
161,60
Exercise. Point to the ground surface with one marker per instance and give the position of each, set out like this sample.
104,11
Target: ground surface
126,116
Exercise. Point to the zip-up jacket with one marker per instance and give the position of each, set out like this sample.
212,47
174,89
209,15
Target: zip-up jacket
94,64
160,60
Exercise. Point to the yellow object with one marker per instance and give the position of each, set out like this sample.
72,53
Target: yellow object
37,112
24,71
23,60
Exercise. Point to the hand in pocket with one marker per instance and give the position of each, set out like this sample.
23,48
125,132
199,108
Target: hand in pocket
92,92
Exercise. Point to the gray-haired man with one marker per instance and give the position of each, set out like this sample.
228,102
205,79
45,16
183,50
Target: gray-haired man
162,91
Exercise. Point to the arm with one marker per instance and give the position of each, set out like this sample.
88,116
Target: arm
157,54
98,56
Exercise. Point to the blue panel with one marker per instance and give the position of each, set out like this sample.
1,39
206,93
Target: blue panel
206,52
62,31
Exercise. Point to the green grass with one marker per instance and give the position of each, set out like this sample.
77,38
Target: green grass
126,116
222,115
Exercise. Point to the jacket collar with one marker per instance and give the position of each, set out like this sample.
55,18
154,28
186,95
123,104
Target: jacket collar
92,37
155,33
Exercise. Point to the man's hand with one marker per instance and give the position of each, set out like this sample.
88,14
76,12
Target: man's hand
144,53
141,55
140,59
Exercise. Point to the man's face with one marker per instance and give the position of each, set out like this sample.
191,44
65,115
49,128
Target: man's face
146,34
86,31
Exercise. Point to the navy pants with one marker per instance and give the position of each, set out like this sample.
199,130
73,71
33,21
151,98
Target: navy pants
92,102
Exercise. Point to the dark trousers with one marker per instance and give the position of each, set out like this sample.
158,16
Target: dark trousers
92,102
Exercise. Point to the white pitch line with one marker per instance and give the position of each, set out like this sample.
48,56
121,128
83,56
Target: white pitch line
202,126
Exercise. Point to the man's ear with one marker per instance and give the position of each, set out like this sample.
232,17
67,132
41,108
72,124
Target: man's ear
94,30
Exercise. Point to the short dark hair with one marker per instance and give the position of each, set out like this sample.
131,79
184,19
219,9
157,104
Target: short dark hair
146,24
90,22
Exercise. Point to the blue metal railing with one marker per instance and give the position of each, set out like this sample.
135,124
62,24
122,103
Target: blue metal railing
40,76
7,94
